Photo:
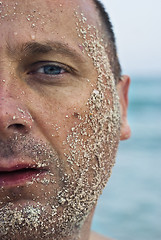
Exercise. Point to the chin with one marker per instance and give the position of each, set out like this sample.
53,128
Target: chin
25,220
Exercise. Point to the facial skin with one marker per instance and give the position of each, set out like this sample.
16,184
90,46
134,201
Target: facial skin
59,115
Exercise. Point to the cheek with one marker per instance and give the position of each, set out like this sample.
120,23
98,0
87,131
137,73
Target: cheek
91,144
55,122
56,114
85,136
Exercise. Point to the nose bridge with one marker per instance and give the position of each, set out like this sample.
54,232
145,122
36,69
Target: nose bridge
14,115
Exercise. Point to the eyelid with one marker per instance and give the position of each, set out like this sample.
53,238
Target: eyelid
37,65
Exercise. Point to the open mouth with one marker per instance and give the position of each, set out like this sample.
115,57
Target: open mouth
19,177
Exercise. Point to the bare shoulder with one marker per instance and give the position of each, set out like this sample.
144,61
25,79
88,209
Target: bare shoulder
96,236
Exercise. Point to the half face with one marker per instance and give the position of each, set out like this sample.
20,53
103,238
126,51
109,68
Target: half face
59,118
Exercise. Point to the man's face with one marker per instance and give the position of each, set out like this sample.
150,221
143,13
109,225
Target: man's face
59,117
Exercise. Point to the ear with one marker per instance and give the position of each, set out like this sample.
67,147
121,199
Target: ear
122,88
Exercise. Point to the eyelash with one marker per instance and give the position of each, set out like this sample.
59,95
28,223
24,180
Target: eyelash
49,70
39,68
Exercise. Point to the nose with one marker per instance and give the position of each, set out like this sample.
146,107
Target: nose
14,118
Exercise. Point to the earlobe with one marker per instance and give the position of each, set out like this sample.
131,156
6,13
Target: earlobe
122,88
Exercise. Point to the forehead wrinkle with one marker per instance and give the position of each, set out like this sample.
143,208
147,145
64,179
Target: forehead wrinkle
32,48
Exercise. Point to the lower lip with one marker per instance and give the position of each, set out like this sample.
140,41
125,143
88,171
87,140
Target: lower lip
19,178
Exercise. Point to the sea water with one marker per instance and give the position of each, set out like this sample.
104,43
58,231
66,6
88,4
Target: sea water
130,207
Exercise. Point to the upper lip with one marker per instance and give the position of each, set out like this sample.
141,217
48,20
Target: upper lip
18,167
15,164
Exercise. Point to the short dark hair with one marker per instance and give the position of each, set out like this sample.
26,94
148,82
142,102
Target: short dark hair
112,49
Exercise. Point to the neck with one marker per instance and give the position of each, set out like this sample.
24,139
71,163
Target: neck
86,228
84,231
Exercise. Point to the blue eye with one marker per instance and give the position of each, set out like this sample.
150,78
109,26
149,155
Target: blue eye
51,70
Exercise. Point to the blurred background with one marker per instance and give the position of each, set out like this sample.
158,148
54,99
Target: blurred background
130,207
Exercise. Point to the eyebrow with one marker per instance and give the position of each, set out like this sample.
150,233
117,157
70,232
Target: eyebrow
37,48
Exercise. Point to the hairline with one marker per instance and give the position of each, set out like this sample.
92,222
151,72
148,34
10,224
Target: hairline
108,36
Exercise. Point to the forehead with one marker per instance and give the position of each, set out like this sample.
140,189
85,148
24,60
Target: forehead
47,19
58,11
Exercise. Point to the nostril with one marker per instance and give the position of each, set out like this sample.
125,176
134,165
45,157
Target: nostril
17,126
14,118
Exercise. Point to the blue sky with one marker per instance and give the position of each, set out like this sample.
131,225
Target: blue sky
137,25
